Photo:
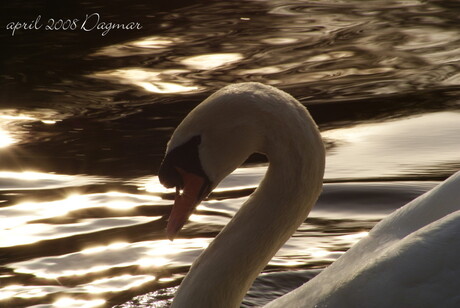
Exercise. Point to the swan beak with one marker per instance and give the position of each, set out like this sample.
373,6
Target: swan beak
194,190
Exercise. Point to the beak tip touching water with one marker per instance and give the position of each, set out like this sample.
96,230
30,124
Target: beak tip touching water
171,235
195,188
174,226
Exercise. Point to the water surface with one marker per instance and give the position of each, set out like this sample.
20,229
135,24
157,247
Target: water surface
84,121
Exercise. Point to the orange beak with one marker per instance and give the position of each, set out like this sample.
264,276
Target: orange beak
194,191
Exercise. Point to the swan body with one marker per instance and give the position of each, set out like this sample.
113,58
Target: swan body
238,120
409,259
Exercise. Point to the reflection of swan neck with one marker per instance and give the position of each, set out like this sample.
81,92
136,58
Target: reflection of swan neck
268,218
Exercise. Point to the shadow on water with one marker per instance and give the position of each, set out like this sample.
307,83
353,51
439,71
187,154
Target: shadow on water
85,118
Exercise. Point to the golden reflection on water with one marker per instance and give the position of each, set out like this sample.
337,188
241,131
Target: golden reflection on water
152,185
280,40
319,253
30,180
5,139
167,81
21,291
155,81
94,260
7,120
114,284
21,213
137,47
355,236
368,148
333,55
211,61
12,120
104,248
69,302
21,232
98,286
32,176
22,223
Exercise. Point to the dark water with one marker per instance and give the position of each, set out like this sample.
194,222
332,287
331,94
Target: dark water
84,120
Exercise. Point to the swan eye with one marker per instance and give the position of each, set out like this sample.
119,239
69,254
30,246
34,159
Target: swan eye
185,157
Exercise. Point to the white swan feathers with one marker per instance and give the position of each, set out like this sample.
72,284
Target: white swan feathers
409,259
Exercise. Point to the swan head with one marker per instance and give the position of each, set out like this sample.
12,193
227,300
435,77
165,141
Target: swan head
213,140
221,133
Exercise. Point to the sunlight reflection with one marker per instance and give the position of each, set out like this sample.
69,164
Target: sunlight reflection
199,218
23,212
319,253
5,139
114,284
137,47
250,176
10,180
18,227
166,247
8,291
16,117
99,249
94,260
280,40
49,122
79,272
47,116
353,134
285,262
152,262
27,233
19,214
355,237
217,218
154,42
21,291
152,185
369,149
32,176
69,302
267,70
166,279
331,56
156,81
165,87
211,61
11,120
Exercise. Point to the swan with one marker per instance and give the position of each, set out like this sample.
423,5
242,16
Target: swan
409,259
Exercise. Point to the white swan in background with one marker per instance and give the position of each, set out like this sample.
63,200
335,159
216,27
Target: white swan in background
410,259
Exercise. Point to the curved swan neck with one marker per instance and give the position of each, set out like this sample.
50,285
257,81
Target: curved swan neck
224,272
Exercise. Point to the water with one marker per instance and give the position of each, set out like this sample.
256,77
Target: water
84,120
